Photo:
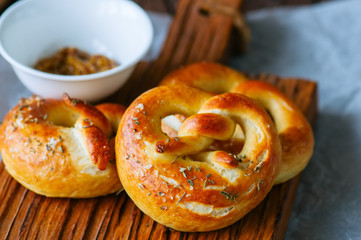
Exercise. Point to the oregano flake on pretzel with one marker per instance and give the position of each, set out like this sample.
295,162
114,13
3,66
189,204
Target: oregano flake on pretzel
177,180
62,148
293,128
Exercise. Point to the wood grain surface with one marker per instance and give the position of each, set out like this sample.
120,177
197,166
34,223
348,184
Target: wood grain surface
192,37
170,6
26,215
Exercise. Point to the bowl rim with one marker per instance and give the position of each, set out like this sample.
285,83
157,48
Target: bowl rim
74,78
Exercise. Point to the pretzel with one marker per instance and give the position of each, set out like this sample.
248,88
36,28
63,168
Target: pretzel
293,129
61,148
179,182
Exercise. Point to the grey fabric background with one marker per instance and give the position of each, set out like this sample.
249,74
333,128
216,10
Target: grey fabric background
322,43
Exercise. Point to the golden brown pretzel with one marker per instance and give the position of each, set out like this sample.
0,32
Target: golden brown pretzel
176,180
293,129
61,148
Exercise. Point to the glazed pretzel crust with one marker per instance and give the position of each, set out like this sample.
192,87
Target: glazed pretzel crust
176,180
293,128
61,148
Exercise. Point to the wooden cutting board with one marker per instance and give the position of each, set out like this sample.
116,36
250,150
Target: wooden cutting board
192,37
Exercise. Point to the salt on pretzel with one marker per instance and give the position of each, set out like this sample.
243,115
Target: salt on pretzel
61,148
293,128
176,180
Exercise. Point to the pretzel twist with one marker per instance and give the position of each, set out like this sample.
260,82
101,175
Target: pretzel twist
293,128
177,180
61,148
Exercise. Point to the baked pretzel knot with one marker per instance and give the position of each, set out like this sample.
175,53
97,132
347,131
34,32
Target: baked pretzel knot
178,181
293,128
62,148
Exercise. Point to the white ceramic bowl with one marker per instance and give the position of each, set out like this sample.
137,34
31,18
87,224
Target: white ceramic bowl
34,29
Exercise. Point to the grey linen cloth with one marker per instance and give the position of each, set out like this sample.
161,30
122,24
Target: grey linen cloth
321,42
